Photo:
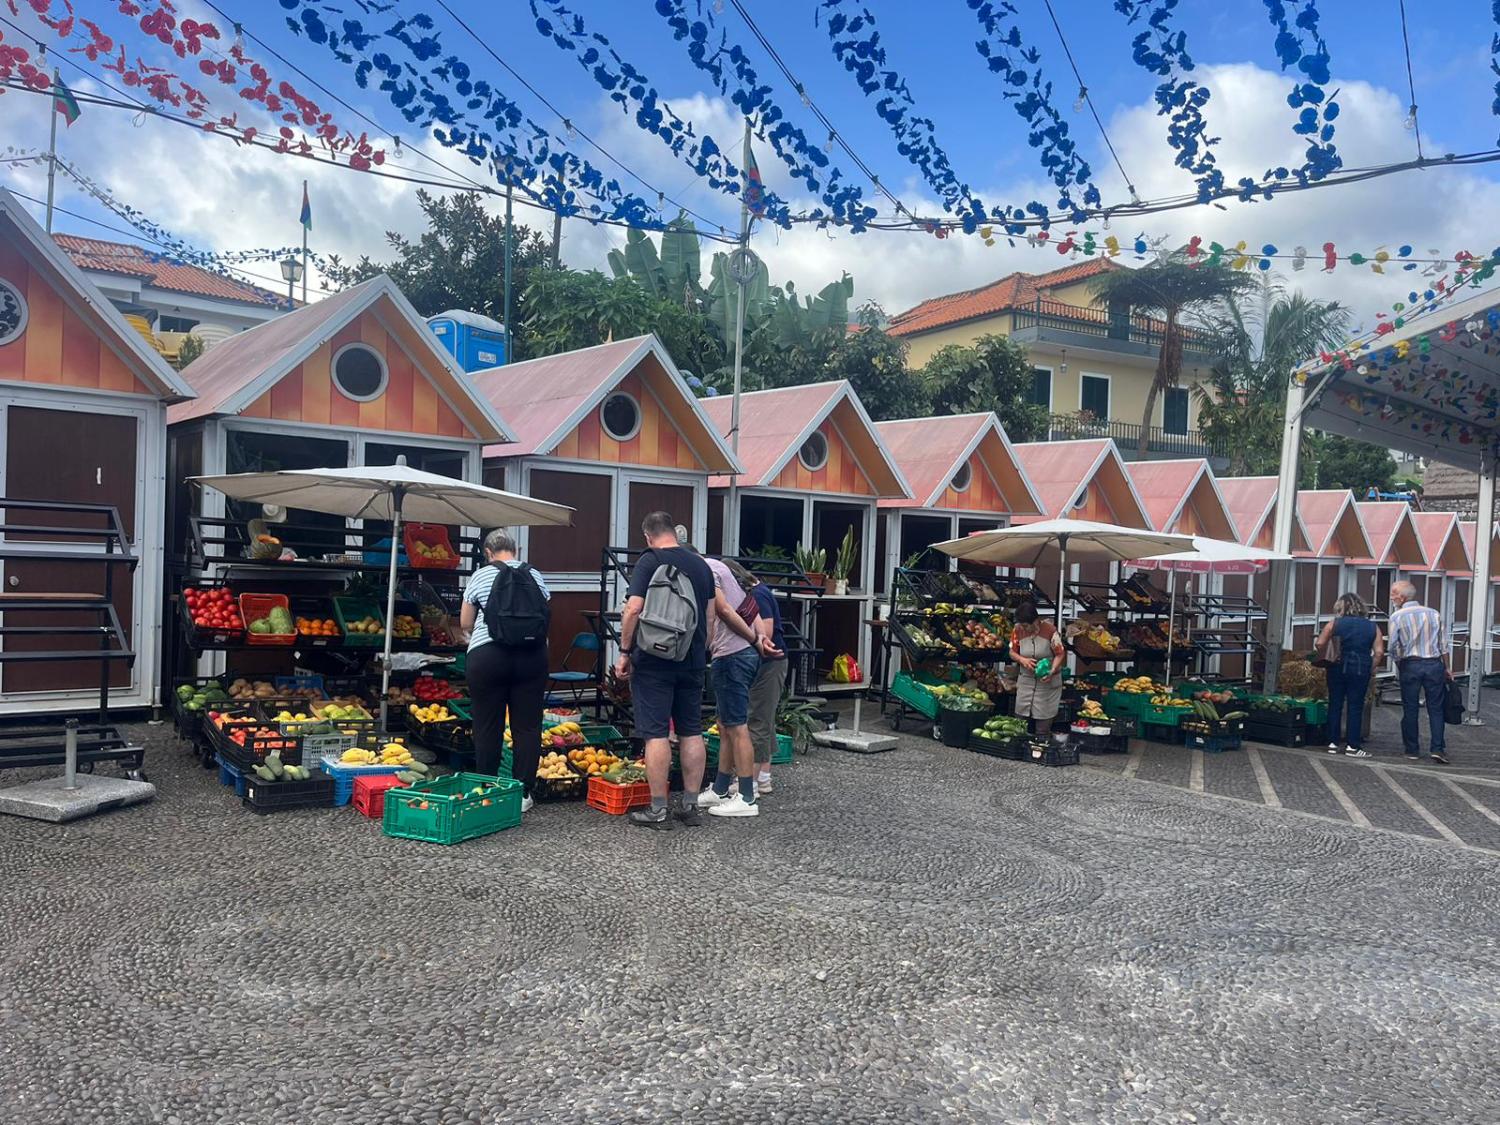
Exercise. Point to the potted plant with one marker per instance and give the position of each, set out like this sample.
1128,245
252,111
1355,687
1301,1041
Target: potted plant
798,721
812,561
843,563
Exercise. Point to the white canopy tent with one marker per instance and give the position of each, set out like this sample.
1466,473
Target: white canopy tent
1430,387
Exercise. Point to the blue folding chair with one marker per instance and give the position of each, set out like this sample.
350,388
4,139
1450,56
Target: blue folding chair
573,682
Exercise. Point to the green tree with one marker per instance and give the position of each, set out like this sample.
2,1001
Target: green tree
993,374
1334,461
1241,406
875,364
1169,289
457,263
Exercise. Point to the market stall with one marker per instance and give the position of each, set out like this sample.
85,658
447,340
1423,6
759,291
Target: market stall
1443,582
1486,646
814,467
1252,505
1336,533
1396,552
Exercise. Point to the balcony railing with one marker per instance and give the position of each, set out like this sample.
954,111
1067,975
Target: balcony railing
1106,325
1127,435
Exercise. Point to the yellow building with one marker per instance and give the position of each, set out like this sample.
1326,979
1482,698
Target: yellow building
1094,364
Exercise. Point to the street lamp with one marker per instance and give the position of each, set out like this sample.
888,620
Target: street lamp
291,273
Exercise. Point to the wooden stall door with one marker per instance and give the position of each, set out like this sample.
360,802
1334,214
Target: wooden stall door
578,549
98,466
646,497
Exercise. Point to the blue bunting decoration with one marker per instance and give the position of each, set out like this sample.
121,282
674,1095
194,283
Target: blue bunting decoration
1495,55
633,91
1299,44
482,124
805,160
856,43
1032,98
1164,52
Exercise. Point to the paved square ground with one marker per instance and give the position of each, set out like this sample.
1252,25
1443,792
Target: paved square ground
925,935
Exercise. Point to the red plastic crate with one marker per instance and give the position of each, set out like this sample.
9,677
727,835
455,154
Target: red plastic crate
429,535
606,796
255,606
369,793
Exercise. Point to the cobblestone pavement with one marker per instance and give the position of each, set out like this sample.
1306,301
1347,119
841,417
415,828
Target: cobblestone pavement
926,935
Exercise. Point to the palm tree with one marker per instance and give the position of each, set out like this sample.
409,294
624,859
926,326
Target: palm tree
1258,345
1168,289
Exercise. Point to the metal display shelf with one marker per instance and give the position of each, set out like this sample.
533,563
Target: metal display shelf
217,541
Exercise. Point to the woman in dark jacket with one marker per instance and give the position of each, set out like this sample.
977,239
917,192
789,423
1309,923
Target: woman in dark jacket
1361,649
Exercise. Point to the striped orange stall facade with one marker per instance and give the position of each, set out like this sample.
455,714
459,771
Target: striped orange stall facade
657,442
840,473
57,346
410,403
982,495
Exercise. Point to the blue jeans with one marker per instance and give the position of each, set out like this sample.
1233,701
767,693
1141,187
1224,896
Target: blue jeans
1422,676
1347,690
733,675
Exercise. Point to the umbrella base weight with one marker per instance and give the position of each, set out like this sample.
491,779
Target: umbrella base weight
48,799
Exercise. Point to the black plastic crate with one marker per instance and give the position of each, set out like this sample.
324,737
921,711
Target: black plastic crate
1214,728
1101,743
1012,748
954,727
1275,735
1050,752
1212,743
1281,720
278,796
1161,732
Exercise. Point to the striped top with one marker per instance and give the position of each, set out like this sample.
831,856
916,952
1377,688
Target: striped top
1416,633
477,592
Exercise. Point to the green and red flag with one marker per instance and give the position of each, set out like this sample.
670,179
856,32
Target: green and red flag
63,101
755,188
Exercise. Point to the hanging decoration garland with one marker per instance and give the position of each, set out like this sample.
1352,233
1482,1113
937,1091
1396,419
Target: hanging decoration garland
805,160
484,126
633,92
1309,54
1495,56
1001,50
856,44
1164,53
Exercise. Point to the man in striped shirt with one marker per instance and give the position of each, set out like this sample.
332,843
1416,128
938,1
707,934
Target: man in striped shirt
1421,654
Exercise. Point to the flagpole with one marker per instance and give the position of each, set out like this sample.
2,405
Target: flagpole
732,516
304,250
52,153
510,332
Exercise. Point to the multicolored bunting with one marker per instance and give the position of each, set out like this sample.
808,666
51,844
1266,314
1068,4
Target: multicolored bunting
806,161
1309,54
1019,68
1182,99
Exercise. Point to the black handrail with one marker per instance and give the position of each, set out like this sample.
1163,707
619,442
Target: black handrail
1135,329
1128,436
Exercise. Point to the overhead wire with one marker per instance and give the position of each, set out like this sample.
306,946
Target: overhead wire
1083,93
1411,85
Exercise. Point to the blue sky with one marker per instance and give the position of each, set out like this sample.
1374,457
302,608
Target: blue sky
236,198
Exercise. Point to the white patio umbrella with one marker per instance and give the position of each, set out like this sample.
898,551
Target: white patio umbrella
391,492
1081,540
1206,556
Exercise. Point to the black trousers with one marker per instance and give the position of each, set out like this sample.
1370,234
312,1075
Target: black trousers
502,679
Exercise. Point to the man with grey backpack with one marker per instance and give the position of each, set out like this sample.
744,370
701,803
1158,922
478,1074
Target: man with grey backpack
663,653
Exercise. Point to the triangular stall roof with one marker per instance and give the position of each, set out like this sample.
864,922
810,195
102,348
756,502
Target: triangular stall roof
1469,530
1394,539
931,452
1181,496
1443,544
282,370
775,424
553,405
1085,479
1252,505
1334,527
73,337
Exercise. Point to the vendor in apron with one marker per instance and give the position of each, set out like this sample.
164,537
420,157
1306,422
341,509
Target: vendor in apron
1031,641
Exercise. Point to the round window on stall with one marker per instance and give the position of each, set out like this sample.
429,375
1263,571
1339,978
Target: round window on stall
961,479
359,372
12,312
621,416
1082,499
814,452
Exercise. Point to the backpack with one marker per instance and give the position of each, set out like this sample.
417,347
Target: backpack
515,613
669,619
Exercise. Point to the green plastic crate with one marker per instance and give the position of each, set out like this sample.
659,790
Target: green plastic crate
446,810
785,749
1164,716
906,688
1125,704
347,609
1316,711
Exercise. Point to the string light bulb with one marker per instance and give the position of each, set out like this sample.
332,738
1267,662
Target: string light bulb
568,128
719,7
1081,100
1411,118
828,144
239,38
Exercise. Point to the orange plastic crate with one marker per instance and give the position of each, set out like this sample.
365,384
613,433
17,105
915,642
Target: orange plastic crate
606,796
369,794
255,606
429,535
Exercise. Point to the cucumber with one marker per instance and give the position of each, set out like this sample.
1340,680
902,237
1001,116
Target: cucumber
264,774
416,767
273,763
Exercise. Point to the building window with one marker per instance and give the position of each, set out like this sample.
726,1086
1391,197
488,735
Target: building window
961,479
621,416
1093,395
359,372
1041,387
1174,411
814,452
12,312
176,324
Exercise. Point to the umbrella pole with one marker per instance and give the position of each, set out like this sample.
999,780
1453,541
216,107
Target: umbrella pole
1062,576
1171,613
390,613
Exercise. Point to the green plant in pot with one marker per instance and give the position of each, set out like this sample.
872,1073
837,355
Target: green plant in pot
812,560
798,721
843,562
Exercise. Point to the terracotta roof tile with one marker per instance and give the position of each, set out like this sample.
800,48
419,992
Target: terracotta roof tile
175,277
1017,289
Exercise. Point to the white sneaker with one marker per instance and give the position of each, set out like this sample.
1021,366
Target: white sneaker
1333,747
526,803
763,784
1357,752
708,798
734,806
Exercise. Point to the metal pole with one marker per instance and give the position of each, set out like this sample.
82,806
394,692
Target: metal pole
1062,576
1171,613
1479,592
732,514
52,158
556,239
1278,602
304,251
510,332
70,754
390,608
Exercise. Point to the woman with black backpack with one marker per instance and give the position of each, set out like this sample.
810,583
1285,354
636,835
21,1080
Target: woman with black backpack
506,615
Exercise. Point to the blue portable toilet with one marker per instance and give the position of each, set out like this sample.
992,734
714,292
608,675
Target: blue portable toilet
475,340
